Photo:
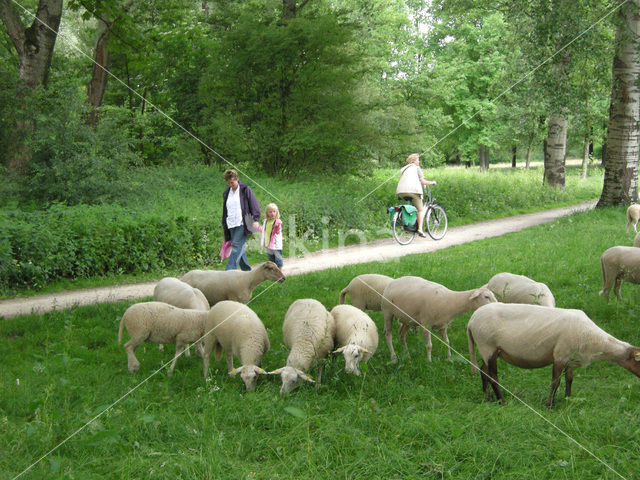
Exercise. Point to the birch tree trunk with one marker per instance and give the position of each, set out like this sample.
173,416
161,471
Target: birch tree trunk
555,151
621,162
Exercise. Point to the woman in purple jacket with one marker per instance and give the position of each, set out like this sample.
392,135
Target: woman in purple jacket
240,215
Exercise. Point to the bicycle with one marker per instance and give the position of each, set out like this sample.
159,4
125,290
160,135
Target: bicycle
404,219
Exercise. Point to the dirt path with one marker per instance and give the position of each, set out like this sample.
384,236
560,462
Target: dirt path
383,249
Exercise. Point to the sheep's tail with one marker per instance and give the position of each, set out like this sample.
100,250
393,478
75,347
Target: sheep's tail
343,294
472,352
120,329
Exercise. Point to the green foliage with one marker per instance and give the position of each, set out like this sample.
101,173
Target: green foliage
411,420
170,220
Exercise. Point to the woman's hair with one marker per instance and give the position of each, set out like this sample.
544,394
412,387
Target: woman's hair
272,206
412,158
230,175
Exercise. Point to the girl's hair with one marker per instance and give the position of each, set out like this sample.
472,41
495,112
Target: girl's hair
412,158
272,206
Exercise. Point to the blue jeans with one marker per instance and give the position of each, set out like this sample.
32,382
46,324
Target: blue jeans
238,255
275,256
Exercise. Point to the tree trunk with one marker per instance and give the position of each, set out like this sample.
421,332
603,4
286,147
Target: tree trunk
527,164
483,157
585,158
555,151
621,164
98,83
514,151
34,46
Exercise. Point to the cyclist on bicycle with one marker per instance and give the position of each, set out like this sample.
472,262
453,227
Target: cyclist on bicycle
410,186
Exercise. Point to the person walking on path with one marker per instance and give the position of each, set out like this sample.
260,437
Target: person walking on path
240,216
410,186
272,234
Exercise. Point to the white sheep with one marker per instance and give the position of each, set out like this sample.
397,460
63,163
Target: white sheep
308,331
415,301
237,285
512,288
158,322
235,328
356,335
366,291
619,263
179,294
532,336
633,215
636,240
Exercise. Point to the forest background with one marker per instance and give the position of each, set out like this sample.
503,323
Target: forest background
130,95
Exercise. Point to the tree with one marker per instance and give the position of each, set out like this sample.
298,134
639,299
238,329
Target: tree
621,163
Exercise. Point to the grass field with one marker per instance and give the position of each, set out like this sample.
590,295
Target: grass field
411,420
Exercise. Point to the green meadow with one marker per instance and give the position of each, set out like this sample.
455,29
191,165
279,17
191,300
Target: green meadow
68,403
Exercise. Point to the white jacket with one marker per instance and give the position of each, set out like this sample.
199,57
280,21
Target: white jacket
410,179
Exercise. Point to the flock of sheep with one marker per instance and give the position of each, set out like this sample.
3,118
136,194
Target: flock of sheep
515,318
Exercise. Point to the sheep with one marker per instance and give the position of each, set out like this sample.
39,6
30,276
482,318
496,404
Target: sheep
619,263
179,294
636,240
356,335
158,322
308,331
512,288
416,301
235,328
633,215
218,285
366,291
533,336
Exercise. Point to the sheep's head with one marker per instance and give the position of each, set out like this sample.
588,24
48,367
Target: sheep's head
353,355
273,272
632,361
482,296
291,378
249,375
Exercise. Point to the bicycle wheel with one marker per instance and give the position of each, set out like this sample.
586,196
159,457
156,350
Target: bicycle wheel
436,222
402,236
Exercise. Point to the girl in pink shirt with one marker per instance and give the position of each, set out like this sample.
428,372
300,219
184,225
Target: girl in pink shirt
271,237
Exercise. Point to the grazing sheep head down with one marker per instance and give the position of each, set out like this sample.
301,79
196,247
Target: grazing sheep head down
273,272
249,375
353,355
291,378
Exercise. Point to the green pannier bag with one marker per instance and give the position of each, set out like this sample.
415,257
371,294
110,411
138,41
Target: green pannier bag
409,215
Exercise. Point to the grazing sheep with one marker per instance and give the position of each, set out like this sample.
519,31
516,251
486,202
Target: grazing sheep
366,291
308,330
179,294
158,322
236,329
512,288
531,336
619,263
633,215
636,240
416,301
356,335
218,285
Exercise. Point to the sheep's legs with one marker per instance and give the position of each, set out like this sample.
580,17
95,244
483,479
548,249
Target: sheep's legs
616,287
568,379
427,338
443,334
489,373
388,324
556,373
205,363
132,362
179,349
403,336
229,357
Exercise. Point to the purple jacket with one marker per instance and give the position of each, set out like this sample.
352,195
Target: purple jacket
249,205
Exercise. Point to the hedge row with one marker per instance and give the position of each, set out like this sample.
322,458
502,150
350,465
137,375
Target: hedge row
37,248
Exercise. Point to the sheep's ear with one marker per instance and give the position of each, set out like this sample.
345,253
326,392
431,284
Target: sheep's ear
362,349
262,371
339,350
475,294
275,372
304,376
235,371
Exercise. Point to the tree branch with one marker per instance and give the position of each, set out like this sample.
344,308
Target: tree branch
13,23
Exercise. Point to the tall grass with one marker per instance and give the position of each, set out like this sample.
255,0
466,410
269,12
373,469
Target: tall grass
411,420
